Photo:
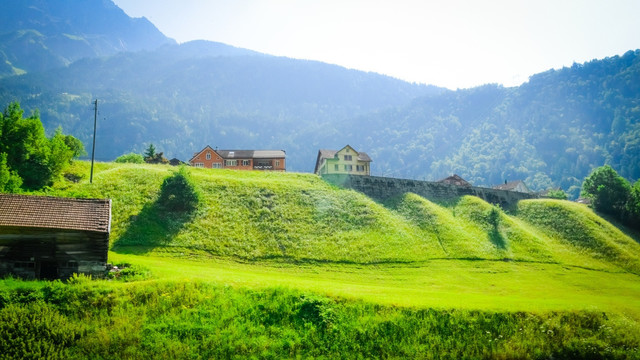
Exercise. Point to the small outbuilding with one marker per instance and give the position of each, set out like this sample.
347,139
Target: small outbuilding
44,237
518,186
455,180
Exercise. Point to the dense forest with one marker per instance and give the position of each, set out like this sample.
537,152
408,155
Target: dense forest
551,131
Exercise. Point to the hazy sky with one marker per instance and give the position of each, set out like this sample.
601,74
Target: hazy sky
450,43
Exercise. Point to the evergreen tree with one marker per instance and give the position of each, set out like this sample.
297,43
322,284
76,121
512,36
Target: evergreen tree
150,152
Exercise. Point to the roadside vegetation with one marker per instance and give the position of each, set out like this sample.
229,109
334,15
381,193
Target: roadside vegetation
221,263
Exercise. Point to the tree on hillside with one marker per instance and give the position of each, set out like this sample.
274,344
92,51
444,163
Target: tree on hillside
153,157
633,205
607,190
178,192
150,152
10,182
26,153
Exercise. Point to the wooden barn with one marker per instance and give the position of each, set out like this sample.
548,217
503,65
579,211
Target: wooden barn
45,237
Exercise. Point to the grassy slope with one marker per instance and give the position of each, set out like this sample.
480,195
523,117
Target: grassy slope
247,275
298,217
408,252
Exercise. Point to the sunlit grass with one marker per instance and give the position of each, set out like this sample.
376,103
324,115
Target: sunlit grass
274,265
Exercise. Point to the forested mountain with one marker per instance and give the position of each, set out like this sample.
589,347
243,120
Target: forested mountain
550,131
222,98
38,35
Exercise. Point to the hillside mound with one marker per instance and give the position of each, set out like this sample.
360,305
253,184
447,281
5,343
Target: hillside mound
585,232
298,217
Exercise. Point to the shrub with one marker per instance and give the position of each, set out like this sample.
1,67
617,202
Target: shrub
178,192
35,331
130,158
607,190
558,194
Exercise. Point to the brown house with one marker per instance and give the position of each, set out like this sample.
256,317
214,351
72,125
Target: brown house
266,160
49,238
455,180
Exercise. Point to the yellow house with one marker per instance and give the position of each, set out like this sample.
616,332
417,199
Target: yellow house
343,161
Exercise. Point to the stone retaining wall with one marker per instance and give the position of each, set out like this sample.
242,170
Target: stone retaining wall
381,188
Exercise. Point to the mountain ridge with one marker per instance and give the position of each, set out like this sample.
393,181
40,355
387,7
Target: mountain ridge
551,131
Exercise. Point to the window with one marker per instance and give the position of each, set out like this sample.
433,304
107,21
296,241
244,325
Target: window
208,156
277,162
360,168
198,165
246,162
217,165
231,163
347,158
348,168
335,167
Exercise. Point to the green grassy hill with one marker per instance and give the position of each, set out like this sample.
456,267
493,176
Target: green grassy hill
295,217
279,265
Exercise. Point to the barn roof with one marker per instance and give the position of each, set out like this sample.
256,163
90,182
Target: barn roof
55,213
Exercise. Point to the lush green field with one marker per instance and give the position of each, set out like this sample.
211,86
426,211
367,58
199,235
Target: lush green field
275,265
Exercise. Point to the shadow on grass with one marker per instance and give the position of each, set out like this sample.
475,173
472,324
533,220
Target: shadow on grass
153,227
497,239
159,222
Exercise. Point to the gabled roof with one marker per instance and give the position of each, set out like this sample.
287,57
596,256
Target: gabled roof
200,152
455,180
511,185
331,154
55,213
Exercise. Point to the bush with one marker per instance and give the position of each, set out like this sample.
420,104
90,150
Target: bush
607,190
178,192
558,194
35,331
130,158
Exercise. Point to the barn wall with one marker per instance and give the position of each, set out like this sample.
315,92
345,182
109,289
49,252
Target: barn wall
32,253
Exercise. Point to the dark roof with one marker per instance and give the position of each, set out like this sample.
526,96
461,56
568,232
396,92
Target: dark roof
245,154
328,154
510,185
55,213
251,154
455,180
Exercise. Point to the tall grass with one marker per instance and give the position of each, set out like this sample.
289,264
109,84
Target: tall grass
180,320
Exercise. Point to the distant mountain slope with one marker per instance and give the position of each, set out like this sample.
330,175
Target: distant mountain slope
37,35
183,97
550,132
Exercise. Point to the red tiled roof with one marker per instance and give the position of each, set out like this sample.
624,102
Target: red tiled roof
55,213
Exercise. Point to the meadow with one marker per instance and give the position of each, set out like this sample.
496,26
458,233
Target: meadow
273,265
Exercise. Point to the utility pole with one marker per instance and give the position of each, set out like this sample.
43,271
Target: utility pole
93,149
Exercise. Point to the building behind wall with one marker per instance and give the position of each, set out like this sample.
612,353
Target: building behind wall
344,161
52,238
